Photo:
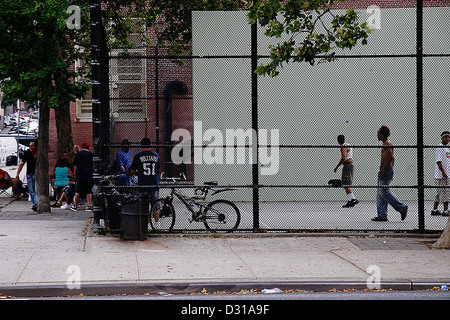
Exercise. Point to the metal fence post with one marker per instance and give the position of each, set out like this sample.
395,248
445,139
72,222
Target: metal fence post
255,170
420,147
157,98
96,25
105,126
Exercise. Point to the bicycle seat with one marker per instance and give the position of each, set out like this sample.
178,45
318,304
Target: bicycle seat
211,183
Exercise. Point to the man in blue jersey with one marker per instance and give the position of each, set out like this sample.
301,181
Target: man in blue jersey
146,166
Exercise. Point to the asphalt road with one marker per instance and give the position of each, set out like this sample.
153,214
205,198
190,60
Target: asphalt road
432,295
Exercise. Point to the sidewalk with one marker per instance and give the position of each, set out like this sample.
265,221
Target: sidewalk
46,255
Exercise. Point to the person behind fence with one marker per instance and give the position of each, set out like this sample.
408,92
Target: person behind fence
441,172
29,158
347,170
83,170
385,176
124,158
145,165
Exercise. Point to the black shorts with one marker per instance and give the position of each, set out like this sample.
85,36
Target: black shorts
84,187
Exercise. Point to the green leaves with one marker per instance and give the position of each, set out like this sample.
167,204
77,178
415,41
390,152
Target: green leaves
172,20
35,63
311,36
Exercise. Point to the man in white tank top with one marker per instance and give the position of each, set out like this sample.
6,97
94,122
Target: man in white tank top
441,175
347,171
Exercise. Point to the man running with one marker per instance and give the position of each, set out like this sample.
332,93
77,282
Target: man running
347,170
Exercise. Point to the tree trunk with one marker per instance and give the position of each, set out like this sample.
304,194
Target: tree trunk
42,166
444,240
64,129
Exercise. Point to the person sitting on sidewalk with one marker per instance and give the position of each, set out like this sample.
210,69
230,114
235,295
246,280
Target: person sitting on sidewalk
6,182
68,192
62,174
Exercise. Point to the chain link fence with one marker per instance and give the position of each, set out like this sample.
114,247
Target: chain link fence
274,141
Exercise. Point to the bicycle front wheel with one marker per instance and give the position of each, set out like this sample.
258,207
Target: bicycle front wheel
222,215
162,216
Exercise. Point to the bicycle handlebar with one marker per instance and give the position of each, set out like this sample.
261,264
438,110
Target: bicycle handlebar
182,177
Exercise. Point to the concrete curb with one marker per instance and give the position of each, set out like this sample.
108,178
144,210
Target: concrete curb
190,288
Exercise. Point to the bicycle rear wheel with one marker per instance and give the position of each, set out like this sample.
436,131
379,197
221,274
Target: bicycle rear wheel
162,216
222,215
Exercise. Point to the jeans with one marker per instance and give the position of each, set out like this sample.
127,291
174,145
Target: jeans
31,185
149,198
123,180
385,196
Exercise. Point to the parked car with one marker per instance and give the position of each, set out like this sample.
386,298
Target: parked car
27,130
12,121
13,130
6,122
23,120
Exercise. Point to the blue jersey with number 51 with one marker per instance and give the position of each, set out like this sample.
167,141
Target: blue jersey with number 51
146,163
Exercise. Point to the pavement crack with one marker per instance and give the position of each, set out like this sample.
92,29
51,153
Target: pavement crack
23,269
348,261
137,266
86,231
248,268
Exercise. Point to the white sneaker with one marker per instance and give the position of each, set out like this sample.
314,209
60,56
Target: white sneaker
65,206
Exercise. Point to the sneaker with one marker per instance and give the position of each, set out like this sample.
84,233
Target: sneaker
65,206
445,213
88,208
435,212
350,204
34,208
73,208
379,219
404,212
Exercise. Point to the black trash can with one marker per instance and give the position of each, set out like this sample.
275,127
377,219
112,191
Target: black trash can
113,207
134,219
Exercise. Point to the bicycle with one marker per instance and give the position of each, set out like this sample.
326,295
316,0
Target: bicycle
217,215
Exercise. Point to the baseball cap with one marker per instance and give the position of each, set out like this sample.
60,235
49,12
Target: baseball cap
145,141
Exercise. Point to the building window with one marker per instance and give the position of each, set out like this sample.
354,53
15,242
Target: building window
128,89
127,80
83,110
